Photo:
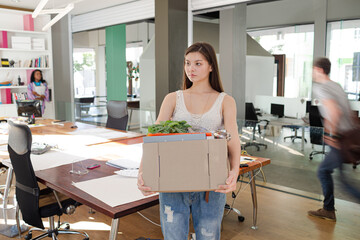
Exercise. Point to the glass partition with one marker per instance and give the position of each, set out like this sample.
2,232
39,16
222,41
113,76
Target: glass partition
297,43
296,152
343,41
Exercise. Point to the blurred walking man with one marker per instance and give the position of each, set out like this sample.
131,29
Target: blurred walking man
337,114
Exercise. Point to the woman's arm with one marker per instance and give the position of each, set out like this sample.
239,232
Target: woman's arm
234,148
166,111
167,108
30,91
46,96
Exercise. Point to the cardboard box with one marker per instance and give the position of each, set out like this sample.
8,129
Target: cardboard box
185,166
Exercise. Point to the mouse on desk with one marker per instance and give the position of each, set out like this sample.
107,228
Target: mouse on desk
73,126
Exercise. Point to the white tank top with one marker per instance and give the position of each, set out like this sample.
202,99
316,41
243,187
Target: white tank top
212,120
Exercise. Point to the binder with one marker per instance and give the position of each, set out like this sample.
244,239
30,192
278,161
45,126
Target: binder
3,39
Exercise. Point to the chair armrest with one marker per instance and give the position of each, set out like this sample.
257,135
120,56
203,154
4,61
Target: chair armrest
266,122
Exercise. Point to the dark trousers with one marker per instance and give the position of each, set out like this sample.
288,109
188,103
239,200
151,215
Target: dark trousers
332,160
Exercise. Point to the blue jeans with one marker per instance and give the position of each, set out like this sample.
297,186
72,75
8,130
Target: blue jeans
175,209
332,160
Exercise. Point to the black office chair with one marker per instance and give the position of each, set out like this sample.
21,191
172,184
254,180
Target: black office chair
36,203
251,120
316,130
117,115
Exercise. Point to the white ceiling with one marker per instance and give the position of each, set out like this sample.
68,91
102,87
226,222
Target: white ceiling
81,6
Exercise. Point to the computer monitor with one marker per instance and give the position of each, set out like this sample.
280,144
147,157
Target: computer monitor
27,108
308,105
277,109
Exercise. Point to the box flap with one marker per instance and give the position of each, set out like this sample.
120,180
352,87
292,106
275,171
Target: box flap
218,162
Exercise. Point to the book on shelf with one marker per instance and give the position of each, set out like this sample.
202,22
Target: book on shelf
19,96
5,96
40,62
3,39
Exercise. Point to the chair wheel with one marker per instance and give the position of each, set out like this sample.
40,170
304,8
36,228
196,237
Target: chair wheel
354,166
310,158
28,237
241,218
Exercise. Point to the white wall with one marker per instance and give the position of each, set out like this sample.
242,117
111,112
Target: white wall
294,107
259,77
147,89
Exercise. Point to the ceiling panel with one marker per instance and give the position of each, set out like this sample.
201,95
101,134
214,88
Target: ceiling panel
81,6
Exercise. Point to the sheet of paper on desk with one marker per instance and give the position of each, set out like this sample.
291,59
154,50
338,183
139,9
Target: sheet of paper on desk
68,141
4,150
124,163
104,133
55,158
246,159
113,190
133,152
3,139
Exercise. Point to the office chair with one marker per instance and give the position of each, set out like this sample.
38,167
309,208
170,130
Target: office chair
117,115
316,130
251,120
35,203
295,136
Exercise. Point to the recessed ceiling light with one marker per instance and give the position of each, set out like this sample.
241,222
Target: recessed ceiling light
16,1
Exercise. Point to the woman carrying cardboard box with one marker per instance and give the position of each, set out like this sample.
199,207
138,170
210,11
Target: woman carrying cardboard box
203,104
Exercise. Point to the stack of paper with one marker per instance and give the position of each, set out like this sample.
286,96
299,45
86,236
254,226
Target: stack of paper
123,163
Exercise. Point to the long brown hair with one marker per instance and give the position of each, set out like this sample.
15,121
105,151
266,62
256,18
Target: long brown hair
209,53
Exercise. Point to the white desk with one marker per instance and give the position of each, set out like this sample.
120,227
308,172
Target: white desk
275,121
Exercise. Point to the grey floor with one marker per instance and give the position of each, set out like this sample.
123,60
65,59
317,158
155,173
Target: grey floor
291,167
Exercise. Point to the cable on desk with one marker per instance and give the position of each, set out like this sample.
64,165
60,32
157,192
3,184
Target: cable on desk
149,219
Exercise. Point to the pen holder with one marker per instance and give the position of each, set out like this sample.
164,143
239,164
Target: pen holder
78,168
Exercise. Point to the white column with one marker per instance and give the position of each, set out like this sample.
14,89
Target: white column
320,10
190,24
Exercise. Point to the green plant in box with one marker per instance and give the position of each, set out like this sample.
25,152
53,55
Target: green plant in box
169,127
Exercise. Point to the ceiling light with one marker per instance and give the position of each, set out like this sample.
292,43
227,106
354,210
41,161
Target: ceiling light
59,16
39,7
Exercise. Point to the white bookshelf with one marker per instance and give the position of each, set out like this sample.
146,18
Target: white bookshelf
11,21
21,68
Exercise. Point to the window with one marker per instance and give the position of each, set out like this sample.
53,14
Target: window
84,72
133,53
297,43
343,41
